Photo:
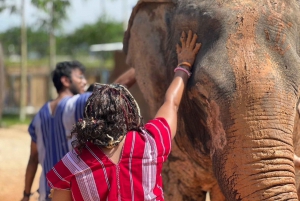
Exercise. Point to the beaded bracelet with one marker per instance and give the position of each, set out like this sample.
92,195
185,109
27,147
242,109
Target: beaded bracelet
183,69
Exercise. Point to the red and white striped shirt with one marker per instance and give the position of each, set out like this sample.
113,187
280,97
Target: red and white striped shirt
93,176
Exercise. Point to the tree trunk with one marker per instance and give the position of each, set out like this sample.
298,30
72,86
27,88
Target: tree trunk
52,53
2,83
23,89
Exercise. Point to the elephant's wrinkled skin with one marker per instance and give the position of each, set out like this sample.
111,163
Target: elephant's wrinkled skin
237,116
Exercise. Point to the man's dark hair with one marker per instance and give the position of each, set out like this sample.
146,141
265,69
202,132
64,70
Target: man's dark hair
65,69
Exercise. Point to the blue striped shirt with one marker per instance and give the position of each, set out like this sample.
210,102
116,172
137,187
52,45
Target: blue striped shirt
51,133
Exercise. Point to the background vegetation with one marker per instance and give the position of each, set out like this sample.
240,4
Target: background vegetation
72,46
44,44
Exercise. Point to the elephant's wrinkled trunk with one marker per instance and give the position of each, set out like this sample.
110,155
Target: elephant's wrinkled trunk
255,159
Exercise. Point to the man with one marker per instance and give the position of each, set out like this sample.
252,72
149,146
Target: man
50,128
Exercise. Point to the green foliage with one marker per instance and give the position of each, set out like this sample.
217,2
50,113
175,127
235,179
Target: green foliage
74,44
55,10
103,31
37,41
85,60
10,120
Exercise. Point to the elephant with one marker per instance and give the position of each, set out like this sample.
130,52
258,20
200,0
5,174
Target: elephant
238,121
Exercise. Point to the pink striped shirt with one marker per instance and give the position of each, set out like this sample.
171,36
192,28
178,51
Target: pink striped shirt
137,176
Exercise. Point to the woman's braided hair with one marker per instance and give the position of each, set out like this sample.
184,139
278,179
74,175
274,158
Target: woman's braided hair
110,112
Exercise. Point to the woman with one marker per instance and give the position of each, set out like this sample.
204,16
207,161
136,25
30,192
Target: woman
115,157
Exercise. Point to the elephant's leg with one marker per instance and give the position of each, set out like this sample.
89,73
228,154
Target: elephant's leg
216,194
201,197
185,179
179,185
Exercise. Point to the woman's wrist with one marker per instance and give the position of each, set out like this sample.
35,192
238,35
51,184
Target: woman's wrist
185,64
184,70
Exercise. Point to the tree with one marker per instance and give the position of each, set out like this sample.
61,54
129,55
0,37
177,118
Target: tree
37,41
103,31
2,77
56,13
78,42
23,64
2,84
23,85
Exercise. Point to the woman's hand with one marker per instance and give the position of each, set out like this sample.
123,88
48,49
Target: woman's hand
188,50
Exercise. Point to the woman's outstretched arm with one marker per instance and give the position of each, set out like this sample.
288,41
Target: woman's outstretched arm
186,56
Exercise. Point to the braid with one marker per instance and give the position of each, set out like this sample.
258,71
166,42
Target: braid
110,112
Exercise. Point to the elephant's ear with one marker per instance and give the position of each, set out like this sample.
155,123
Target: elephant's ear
145,45
135,10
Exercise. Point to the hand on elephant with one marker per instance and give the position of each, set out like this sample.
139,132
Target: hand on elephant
188,50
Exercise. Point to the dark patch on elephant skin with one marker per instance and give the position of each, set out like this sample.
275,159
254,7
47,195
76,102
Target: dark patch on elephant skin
173,158
209,30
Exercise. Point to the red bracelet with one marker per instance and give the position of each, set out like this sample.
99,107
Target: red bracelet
183,69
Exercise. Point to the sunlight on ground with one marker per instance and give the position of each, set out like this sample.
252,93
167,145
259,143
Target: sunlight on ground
14,154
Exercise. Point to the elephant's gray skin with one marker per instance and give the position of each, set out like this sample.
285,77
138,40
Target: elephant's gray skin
238,114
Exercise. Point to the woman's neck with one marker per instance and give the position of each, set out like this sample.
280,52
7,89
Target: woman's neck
114,154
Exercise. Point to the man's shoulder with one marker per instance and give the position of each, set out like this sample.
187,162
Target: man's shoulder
79,96
85,94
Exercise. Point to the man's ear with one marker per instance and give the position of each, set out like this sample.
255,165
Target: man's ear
65,81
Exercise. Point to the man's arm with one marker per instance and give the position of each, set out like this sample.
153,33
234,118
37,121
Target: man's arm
127,79
31,170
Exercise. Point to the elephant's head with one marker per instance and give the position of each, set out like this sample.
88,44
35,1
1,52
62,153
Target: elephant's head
240,103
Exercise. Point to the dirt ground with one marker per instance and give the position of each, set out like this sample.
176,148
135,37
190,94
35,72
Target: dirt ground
14,154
